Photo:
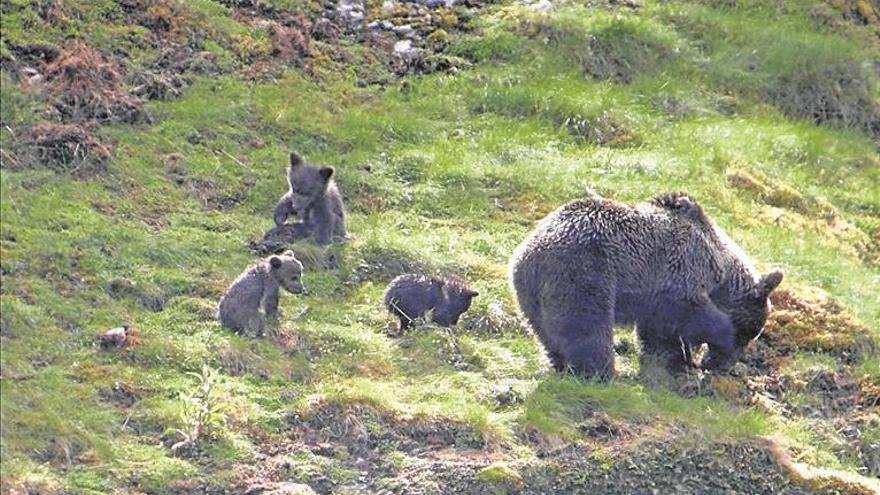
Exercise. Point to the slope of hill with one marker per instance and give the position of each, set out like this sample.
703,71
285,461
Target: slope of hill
144,143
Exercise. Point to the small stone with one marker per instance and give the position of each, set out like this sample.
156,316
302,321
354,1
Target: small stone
388,7
115,337
739,369
404,30
373,25
542,6
404,47
387,25
433,4
289,488
324,29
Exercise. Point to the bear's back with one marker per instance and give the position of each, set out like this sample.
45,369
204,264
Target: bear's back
646,247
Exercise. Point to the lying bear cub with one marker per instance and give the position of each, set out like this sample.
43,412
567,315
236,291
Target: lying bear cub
411,296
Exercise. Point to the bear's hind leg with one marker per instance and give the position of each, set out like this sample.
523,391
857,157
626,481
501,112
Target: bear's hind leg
584,341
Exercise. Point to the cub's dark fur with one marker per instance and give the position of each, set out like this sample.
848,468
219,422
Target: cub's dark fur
410,296
239,309
662,265
314,197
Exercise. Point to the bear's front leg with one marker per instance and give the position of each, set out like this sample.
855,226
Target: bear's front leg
270,301
283,209
711,325
322,224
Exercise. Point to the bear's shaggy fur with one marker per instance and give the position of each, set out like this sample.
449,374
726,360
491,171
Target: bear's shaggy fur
314,197
410,296
662,265
239,308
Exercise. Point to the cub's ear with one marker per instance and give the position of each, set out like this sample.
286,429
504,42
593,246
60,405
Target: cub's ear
275,262
471,293
295,159
326,172
288,253
769,282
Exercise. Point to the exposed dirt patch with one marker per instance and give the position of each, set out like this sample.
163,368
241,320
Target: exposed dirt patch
858,11
30,56
362,429
359,436
121,394
85,84
828,396
650,467
123,288
838,95
291,42
815,325
606,129
68,148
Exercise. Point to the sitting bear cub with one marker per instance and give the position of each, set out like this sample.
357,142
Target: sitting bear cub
662,265
314,197
239,308
410,296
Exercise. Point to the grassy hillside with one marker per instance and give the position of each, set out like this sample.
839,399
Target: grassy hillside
144,143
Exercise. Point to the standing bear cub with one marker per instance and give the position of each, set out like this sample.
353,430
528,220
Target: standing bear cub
662,265
314,197
239,309
410,296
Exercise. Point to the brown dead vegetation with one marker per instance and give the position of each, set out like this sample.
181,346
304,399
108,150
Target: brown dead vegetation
86,85
291,42
858,11
68,148
828,393
815,325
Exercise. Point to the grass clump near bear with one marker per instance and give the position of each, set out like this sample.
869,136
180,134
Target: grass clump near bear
624,50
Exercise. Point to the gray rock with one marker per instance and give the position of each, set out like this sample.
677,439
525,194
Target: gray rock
404,47
404,31
288,488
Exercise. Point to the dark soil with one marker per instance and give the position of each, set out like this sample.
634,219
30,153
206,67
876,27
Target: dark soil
84,84
838,95
68,148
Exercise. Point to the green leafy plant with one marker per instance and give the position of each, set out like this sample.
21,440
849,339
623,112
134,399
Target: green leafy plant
201,413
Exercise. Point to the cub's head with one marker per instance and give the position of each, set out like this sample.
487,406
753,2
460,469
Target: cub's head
307,182
287,270
458,299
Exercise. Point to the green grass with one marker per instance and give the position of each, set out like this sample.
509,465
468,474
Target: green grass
460,168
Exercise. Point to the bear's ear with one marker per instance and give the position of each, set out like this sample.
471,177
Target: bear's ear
288,253
471,293
326,173
295,159
275,262
769,282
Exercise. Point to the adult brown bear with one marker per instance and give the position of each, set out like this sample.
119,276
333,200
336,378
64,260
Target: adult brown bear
662,265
